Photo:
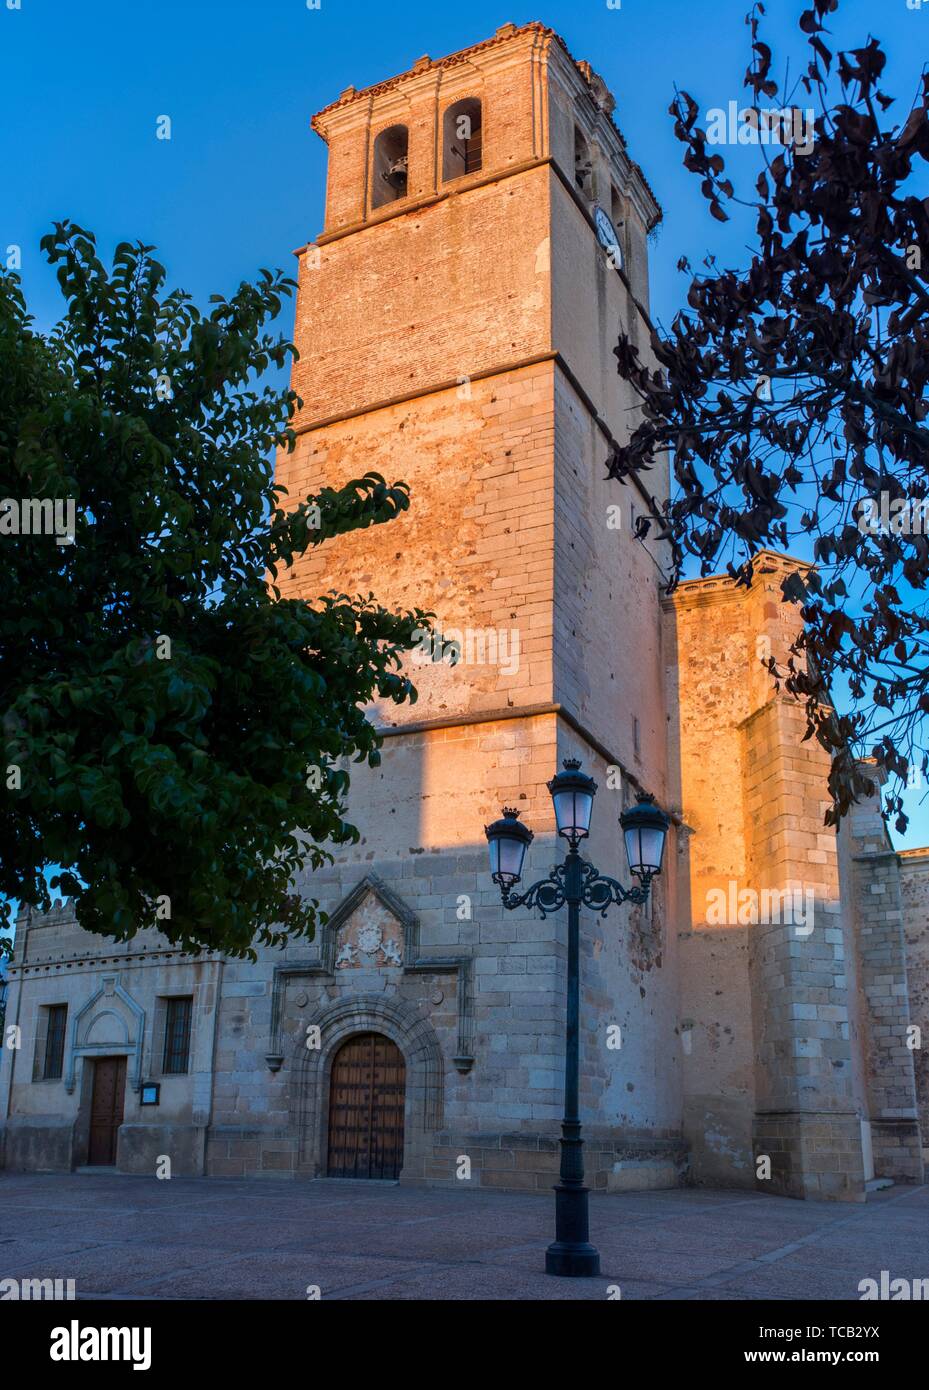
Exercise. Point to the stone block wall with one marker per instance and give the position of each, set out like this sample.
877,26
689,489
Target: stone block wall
607,641
526,1162
914,891
115,993
769,1072
708,649
475,546
885,990
500,1068
804,1079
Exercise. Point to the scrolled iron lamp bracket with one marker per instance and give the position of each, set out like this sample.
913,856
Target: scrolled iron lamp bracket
598,891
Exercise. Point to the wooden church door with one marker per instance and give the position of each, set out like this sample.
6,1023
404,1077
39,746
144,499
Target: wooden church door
366,1098
106,1109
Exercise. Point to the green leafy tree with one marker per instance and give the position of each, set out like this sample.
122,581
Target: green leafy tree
174,732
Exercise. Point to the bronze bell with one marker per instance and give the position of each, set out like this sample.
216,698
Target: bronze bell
396,174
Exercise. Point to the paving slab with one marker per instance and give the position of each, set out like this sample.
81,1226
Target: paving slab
194,1238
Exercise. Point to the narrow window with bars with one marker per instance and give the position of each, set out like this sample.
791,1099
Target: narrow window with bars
177,1036
56,1024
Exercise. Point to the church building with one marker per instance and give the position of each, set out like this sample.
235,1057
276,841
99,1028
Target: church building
763,1021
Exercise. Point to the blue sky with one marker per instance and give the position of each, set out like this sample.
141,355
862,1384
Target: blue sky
241,182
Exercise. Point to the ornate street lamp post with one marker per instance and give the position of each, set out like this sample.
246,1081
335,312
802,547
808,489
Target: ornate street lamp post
575,881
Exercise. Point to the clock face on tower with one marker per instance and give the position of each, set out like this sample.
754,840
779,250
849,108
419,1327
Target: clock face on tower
608,238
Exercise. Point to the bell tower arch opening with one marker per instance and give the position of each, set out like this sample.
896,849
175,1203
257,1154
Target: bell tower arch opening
462,139
391,159
583,164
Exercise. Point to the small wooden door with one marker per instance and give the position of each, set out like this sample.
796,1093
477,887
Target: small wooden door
106,1109
366,1098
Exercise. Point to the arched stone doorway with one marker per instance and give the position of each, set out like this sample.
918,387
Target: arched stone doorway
367,1095
415,1039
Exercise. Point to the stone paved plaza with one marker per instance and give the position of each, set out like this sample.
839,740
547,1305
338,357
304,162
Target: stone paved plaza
132,1237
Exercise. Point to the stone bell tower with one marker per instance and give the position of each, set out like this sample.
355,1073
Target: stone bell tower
484,239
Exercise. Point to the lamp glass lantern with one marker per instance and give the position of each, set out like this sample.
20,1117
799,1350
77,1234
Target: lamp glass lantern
508,840
645,830
572,793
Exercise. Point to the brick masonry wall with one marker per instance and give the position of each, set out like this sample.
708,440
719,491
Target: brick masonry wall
371,323
508,73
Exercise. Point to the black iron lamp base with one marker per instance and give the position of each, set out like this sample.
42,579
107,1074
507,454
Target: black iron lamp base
572,1261
571,1254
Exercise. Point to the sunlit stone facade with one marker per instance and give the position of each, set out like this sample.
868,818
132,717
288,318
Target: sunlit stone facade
754,1025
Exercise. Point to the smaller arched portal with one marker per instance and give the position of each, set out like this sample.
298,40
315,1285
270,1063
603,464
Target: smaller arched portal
367,1096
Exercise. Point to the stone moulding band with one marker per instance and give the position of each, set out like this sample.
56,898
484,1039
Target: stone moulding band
496,176
811,1114
482,375
461,721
